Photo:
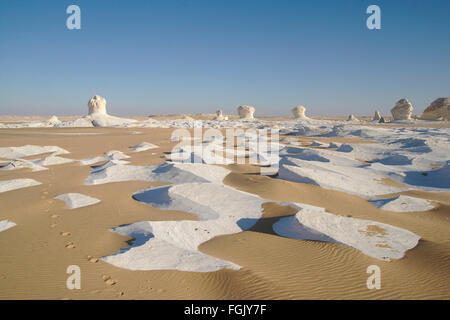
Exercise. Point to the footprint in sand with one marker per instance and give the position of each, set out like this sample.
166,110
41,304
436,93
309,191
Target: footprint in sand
50,200
70,245
53,225
109,281
91,259
65,234
54,216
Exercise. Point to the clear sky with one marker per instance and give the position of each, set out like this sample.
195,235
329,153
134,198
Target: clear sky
190,56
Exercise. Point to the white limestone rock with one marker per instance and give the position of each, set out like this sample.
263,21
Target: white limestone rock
377,116
100,118
299,112
97,104
246,112
402,110
53,120
219,116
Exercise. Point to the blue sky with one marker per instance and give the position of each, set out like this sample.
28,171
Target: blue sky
184,56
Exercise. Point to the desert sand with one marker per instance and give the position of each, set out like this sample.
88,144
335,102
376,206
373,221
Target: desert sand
49,236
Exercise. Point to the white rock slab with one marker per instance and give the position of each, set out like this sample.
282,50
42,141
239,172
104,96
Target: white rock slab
377,240
174,244
5,225
29,150
144,146
77,200
403,204
9,185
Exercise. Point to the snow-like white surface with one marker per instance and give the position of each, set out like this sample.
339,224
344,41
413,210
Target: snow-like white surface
77,200
144,146
29,150
377,240
5,225
51,160
403,204
360,181
174,244
110,155
9,185
168,171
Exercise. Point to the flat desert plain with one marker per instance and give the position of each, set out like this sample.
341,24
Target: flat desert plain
307,232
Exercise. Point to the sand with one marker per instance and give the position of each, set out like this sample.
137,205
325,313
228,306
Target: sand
49,237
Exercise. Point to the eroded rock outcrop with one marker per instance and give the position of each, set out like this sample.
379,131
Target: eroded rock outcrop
246,112
439,109
97,104
100,118
299,112
219,115
402,110
377,116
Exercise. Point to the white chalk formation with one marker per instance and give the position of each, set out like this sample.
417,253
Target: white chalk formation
439,109
299,112
144,146
9,185
377,116
402,110
403,204
53,120
100,118
377,240
97,105
352,118
246,112
6,224
77,200
219,116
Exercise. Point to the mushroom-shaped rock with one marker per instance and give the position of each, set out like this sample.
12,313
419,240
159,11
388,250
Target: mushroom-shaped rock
402,110
352,118
219,115
377,116
437,110
98,116
299,112
246,112
97,105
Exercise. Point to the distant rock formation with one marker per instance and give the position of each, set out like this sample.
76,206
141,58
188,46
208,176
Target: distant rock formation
219,116
97,105
246,112
352,118
377,116
100,118
402,110
299,112
439,109
53,120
